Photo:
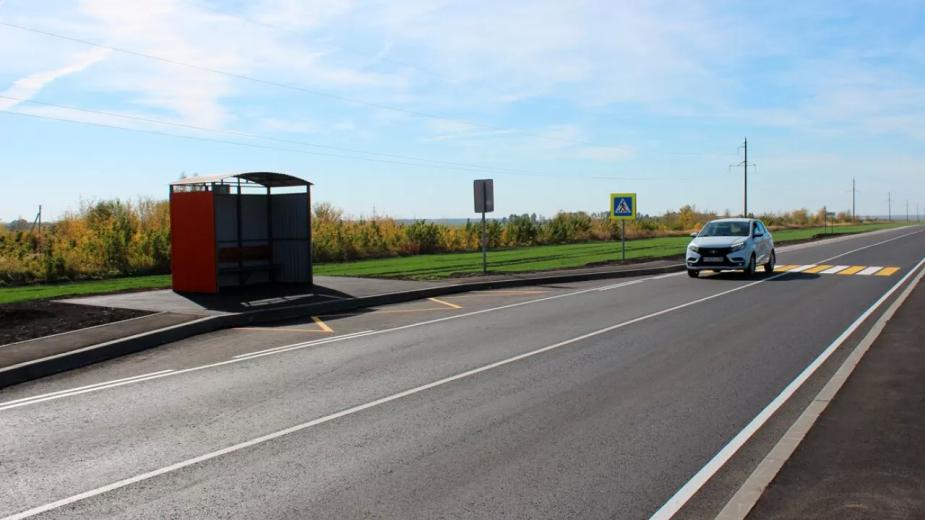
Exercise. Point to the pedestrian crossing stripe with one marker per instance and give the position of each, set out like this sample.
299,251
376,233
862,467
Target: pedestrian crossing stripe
843,270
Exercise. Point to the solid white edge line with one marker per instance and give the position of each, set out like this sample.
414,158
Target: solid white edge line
303,344
749,493
349,411
280,350
692,486
94,385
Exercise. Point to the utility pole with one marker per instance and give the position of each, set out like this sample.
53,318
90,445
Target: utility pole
854,212
889,207
744,164
907,210
745,169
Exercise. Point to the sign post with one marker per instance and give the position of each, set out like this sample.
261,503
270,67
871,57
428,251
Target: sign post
828,220
484,190
623,208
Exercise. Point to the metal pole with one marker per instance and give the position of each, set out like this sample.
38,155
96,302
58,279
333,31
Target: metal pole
854,212
623,238
745,164
889,207
484,247
825,219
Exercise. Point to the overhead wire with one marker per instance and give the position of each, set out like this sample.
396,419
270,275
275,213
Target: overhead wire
316,153
420,161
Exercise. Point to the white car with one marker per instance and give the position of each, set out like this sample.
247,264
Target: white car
731,244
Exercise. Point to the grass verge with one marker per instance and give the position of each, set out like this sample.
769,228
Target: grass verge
430,267
60,290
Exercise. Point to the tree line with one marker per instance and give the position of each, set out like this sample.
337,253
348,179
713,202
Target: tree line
123,238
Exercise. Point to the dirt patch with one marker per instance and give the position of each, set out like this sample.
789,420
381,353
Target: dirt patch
33,319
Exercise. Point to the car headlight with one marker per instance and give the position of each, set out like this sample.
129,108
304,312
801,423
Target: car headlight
693,248
737,246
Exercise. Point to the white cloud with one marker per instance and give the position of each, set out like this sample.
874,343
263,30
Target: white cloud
27,87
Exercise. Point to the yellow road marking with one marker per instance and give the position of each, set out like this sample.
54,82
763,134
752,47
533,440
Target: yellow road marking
817,269
782,268
448,304
322,325
851,270
887,271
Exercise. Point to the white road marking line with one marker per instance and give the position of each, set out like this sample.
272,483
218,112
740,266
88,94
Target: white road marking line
355,409
751,490
663,276
69,390
870,270
303,344
618,285
689,489
83,390
280,350
835,269
801,268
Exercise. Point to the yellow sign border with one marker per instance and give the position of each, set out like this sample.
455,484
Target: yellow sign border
613,197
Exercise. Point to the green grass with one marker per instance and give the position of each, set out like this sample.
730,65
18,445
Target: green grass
46,291
429,267
541,258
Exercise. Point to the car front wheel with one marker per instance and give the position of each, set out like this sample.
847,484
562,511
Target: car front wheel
750,269
769,267
693,273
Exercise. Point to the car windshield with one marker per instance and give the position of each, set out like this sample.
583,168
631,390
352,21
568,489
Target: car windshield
725,229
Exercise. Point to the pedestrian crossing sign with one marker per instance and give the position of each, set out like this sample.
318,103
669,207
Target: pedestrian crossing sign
622,206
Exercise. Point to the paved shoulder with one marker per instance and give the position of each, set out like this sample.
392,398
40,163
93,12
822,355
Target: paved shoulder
864,458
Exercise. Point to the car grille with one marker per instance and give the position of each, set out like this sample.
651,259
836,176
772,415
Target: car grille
715,251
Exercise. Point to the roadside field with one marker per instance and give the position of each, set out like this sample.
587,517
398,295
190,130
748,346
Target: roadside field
539,258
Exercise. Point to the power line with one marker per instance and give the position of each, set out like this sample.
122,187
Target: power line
277,148
289,86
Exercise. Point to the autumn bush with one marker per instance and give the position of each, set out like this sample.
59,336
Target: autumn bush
116,238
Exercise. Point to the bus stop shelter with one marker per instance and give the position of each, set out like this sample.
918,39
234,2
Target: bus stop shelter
239,229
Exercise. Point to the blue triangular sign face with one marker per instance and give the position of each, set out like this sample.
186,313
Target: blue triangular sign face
623,208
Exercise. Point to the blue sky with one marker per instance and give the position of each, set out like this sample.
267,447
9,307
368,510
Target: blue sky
396,106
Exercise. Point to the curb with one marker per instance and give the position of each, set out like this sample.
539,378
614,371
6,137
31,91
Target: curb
46,366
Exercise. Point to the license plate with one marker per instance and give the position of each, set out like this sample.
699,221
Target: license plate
713,259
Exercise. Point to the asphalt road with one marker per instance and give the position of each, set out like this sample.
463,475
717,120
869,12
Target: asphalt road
590,400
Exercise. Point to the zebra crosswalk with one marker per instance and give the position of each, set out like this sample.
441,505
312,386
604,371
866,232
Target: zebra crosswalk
843,270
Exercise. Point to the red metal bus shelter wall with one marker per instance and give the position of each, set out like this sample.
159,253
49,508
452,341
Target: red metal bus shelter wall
192,251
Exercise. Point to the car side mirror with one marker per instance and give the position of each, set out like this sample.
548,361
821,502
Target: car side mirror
758,234
694,234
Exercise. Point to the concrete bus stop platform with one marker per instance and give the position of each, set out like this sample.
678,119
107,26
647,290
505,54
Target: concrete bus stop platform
244,299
